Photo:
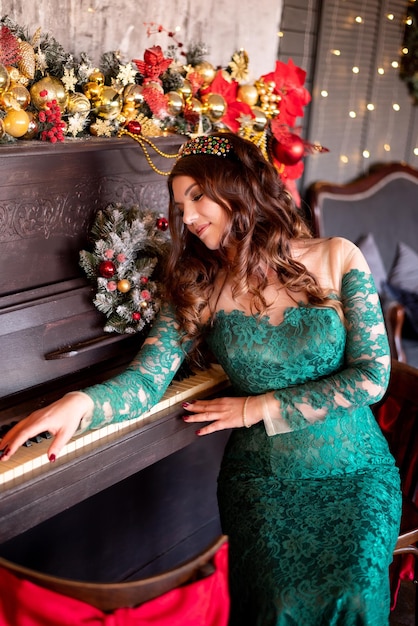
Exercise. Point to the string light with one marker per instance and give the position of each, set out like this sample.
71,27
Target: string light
365,94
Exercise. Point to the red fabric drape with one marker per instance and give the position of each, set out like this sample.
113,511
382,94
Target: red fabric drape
202,603
402,443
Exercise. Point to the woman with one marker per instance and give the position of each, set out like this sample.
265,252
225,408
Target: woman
308,491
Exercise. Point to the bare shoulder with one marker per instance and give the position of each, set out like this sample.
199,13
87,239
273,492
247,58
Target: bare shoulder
325,245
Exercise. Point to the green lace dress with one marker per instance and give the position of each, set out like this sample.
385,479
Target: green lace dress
309,497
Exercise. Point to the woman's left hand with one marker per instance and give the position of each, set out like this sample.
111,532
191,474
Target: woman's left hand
224,413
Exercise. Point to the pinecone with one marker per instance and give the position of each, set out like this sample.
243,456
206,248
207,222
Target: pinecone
26,63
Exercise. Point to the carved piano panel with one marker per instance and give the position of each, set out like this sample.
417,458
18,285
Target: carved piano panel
49,195
51,335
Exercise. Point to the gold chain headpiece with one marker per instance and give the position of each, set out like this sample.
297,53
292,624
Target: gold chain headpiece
144,142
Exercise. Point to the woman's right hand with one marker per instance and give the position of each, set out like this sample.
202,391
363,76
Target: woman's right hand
61,419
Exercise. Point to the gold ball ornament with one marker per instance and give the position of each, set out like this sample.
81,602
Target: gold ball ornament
4,78
15,75
133,94
110,104
97,77
248,94
2,131
174,102
124,285
92,91
78,103
16,123
20,94
214,106
260,120
206,71
194,105
33,128
128,112
55,90
7,102
185,89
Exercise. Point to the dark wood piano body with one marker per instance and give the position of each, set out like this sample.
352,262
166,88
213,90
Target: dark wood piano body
135,506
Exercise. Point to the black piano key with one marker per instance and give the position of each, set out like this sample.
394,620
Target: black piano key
36,439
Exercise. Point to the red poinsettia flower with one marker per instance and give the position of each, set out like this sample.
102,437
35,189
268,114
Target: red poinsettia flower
289,80
235,113
235,110
153,65
227,88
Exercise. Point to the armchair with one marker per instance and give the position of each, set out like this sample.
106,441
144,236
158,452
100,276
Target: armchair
379,212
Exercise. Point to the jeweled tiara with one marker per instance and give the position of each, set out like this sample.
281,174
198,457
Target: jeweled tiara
206,144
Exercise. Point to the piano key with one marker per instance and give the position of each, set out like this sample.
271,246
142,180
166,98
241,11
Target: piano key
30,459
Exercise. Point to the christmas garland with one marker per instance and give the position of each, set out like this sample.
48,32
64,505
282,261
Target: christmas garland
47,93
128,245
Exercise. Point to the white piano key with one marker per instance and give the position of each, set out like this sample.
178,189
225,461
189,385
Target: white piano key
28,460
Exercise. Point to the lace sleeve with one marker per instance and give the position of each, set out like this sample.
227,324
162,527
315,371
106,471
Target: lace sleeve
365,375
144,382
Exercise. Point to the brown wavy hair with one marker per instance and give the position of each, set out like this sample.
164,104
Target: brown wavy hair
262,219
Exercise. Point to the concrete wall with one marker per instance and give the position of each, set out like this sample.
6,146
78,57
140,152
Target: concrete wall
97,26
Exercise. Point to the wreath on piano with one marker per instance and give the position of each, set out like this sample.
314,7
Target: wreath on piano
128,246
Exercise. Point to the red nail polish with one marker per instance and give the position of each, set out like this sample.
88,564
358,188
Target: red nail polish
185,405
185,418
197,432
52,458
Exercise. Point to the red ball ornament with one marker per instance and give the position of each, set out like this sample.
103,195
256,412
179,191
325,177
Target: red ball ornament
107,269
144,280
136,316
162,224
289,150
134,127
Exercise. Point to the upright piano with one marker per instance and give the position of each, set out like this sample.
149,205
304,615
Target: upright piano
128,500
